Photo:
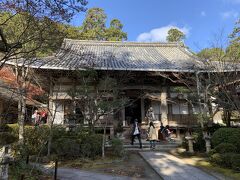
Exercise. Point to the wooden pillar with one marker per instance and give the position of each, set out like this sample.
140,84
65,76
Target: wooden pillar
1,112
87,116
111,132
142,110
123,117
164,107
178,133
50,102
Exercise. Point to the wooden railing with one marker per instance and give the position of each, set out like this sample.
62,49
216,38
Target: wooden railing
185,120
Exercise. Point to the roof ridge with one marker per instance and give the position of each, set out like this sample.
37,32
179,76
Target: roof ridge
123,43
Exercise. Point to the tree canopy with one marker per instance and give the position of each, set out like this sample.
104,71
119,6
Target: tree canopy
43,36
38,27
56,10
212,54
231,53
114,32
175,35
233,50
94,27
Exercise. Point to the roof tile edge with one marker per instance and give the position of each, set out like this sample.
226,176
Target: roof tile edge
121,43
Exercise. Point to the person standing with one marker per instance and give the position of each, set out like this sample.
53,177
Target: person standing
166,133
34,116
44,117
152,135
136,132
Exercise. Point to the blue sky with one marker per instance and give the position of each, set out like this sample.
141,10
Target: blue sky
205,22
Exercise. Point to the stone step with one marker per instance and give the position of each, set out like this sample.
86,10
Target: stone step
160,146
148,149
148,145
157,143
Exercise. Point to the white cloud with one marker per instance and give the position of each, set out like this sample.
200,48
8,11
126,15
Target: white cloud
203,13
230,14
160,34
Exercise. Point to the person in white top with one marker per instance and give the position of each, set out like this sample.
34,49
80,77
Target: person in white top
35,117
136,132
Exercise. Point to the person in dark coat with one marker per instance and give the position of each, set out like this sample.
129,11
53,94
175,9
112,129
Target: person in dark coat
136,133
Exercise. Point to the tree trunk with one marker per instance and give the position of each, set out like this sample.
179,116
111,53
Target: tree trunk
199,100
51,115
49,142
227,117
104,137
21,117
103,143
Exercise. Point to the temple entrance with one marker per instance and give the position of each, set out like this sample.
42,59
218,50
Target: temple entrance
133,111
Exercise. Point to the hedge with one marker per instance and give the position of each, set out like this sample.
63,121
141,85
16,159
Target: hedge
227,135
225,148
117,147
228,160
79,142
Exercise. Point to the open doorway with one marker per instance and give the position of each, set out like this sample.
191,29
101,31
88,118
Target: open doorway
133,111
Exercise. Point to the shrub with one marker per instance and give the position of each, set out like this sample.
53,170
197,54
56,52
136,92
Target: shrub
19,167
66,147
216,158
227,159
117,147
64,143
58,132
91,145
4,128
199,144
77,144
236,162
36,138
7,138
227,135
225,148
213,128
211,152
13,128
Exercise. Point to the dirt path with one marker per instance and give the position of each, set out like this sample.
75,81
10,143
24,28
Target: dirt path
133,167
75,174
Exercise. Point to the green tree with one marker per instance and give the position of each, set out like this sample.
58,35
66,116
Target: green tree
94,27
98,98
58,11
235,36
114,32
33,25
212,54
175,35
233,50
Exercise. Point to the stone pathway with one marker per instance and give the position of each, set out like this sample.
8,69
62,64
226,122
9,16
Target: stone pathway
170,167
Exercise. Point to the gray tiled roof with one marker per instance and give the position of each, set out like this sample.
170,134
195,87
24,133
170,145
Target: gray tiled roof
134,56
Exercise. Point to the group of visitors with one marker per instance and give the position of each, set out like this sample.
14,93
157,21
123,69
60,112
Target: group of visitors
152,134
39,117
